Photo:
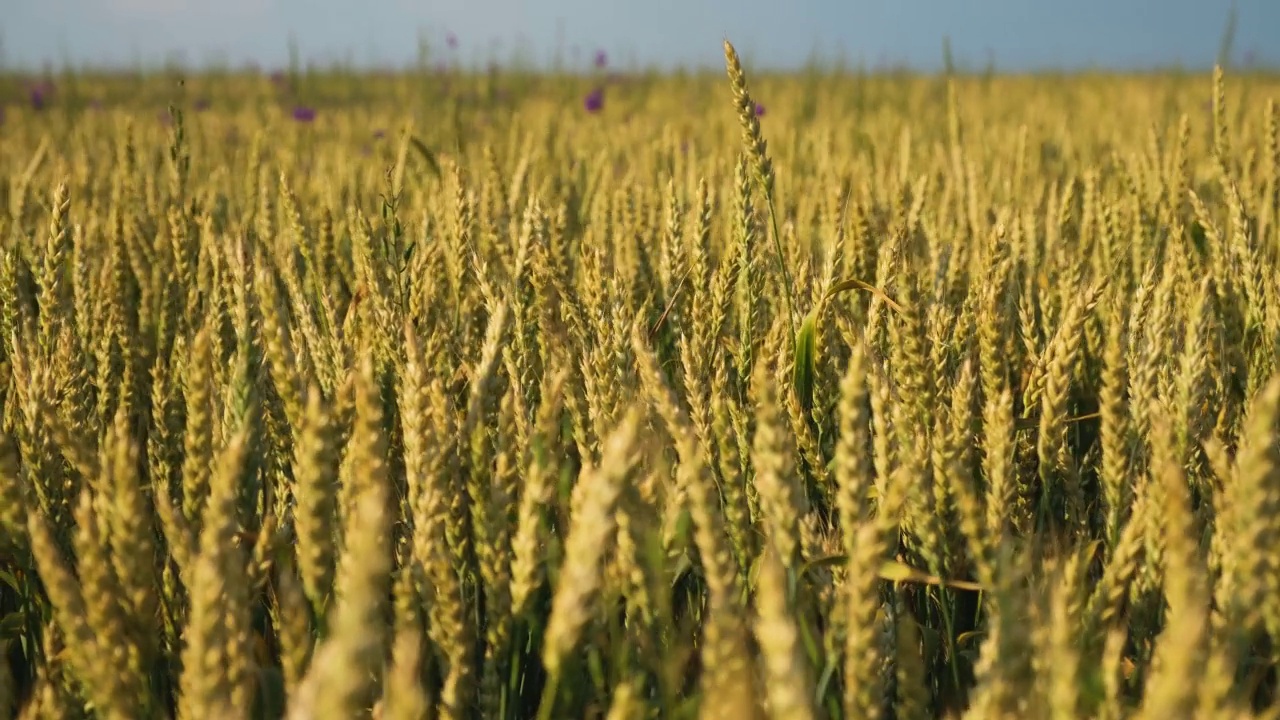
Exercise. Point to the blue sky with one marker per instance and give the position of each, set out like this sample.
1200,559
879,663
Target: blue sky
1016,34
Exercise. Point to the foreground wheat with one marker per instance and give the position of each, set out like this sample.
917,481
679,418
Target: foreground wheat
512,415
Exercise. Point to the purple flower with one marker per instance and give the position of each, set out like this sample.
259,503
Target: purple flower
379,134
39,94
304,114
601,59
451,40
759,110
201,104
278,77
594,101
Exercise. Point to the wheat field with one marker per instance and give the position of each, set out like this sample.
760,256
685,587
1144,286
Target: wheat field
708,396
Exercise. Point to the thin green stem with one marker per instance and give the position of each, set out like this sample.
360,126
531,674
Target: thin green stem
949,622
546,711
782,267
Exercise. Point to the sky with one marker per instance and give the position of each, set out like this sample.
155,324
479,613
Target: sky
1015,35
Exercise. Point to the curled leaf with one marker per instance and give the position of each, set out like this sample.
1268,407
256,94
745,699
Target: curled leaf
855,284
895,571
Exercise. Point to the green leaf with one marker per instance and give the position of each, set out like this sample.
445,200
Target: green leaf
826,561
427,155
270,700
806,361
895,571
11,626
683,565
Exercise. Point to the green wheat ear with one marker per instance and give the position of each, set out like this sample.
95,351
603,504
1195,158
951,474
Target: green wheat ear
758,151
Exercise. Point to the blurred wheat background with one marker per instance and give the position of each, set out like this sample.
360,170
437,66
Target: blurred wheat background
715,396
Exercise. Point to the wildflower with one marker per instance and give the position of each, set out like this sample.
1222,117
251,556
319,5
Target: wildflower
201,104
759,110
39,94
594,101
304,114
451,40
379,134
601,59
